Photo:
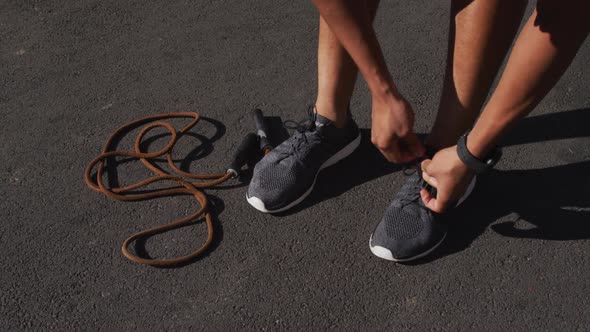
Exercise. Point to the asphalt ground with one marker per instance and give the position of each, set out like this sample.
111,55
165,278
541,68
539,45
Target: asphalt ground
73,71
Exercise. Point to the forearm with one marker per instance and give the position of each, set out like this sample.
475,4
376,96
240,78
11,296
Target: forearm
542,52
351,23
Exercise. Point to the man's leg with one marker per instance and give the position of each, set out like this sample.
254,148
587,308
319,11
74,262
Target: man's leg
543,51
285,176
336,72
480,35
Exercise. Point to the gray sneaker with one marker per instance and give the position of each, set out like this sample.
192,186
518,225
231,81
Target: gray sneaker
284,177
409,230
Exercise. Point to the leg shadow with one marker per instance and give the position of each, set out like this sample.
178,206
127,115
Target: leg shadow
365,164
551,203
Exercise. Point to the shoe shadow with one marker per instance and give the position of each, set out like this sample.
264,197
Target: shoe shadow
551,203
366,163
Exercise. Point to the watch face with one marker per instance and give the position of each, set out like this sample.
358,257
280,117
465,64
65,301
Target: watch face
493,160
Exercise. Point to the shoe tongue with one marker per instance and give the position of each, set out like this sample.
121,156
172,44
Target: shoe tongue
321,121
414,184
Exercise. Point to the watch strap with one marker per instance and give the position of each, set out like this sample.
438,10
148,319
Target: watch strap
475,164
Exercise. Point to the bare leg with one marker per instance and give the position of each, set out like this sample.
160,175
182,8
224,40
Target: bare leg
480,35
392,116
543,51
336,72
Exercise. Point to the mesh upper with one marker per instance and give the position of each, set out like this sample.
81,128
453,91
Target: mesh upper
288,171
272,178
402,226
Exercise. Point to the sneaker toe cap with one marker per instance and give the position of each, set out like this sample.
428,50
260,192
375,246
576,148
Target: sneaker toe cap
274,186
403,236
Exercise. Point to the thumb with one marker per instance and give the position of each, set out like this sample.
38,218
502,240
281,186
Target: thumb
411,148
415,145
425,165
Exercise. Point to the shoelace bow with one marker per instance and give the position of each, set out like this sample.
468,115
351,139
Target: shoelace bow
303,127
412,192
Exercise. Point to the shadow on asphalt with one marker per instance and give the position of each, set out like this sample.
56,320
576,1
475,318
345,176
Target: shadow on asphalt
550,203
216,207
366,163
203,149
200,151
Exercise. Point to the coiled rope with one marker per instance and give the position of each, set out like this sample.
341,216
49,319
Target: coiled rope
180,177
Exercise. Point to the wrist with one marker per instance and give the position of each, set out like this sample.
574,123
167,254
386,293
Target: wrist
479,145
389,100
477,164
460,164
484,136
383,89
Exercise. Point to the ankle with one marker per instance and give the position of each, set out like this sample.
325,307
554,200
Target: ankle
337,114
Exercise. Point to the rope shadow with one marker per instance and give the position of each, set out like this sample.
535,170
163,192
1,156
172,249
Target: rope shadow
216,207
204,149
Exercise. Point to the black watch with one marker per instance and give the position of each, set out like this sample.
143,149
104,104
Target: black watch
476,165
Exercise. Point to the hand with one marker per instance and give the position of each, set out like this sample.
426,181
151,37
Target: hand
392,133
449,175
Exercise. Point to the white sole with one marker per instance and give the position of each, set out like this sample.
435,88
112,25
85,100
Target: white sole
386,254
258,204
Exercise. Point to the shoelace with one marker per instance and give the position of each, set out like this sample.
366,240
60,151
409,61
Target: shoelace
411,193
304,125
300,138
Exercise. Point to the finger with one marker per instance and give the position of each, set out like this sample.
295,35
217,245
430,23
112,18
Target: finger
411,148
407,156
427,198
430,202
435,204
424,165
414,145
392,152
429,179
395,155
442,202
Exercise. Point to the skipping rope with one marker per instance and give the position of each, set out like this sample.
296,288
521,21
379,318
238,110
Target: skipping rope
186,183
